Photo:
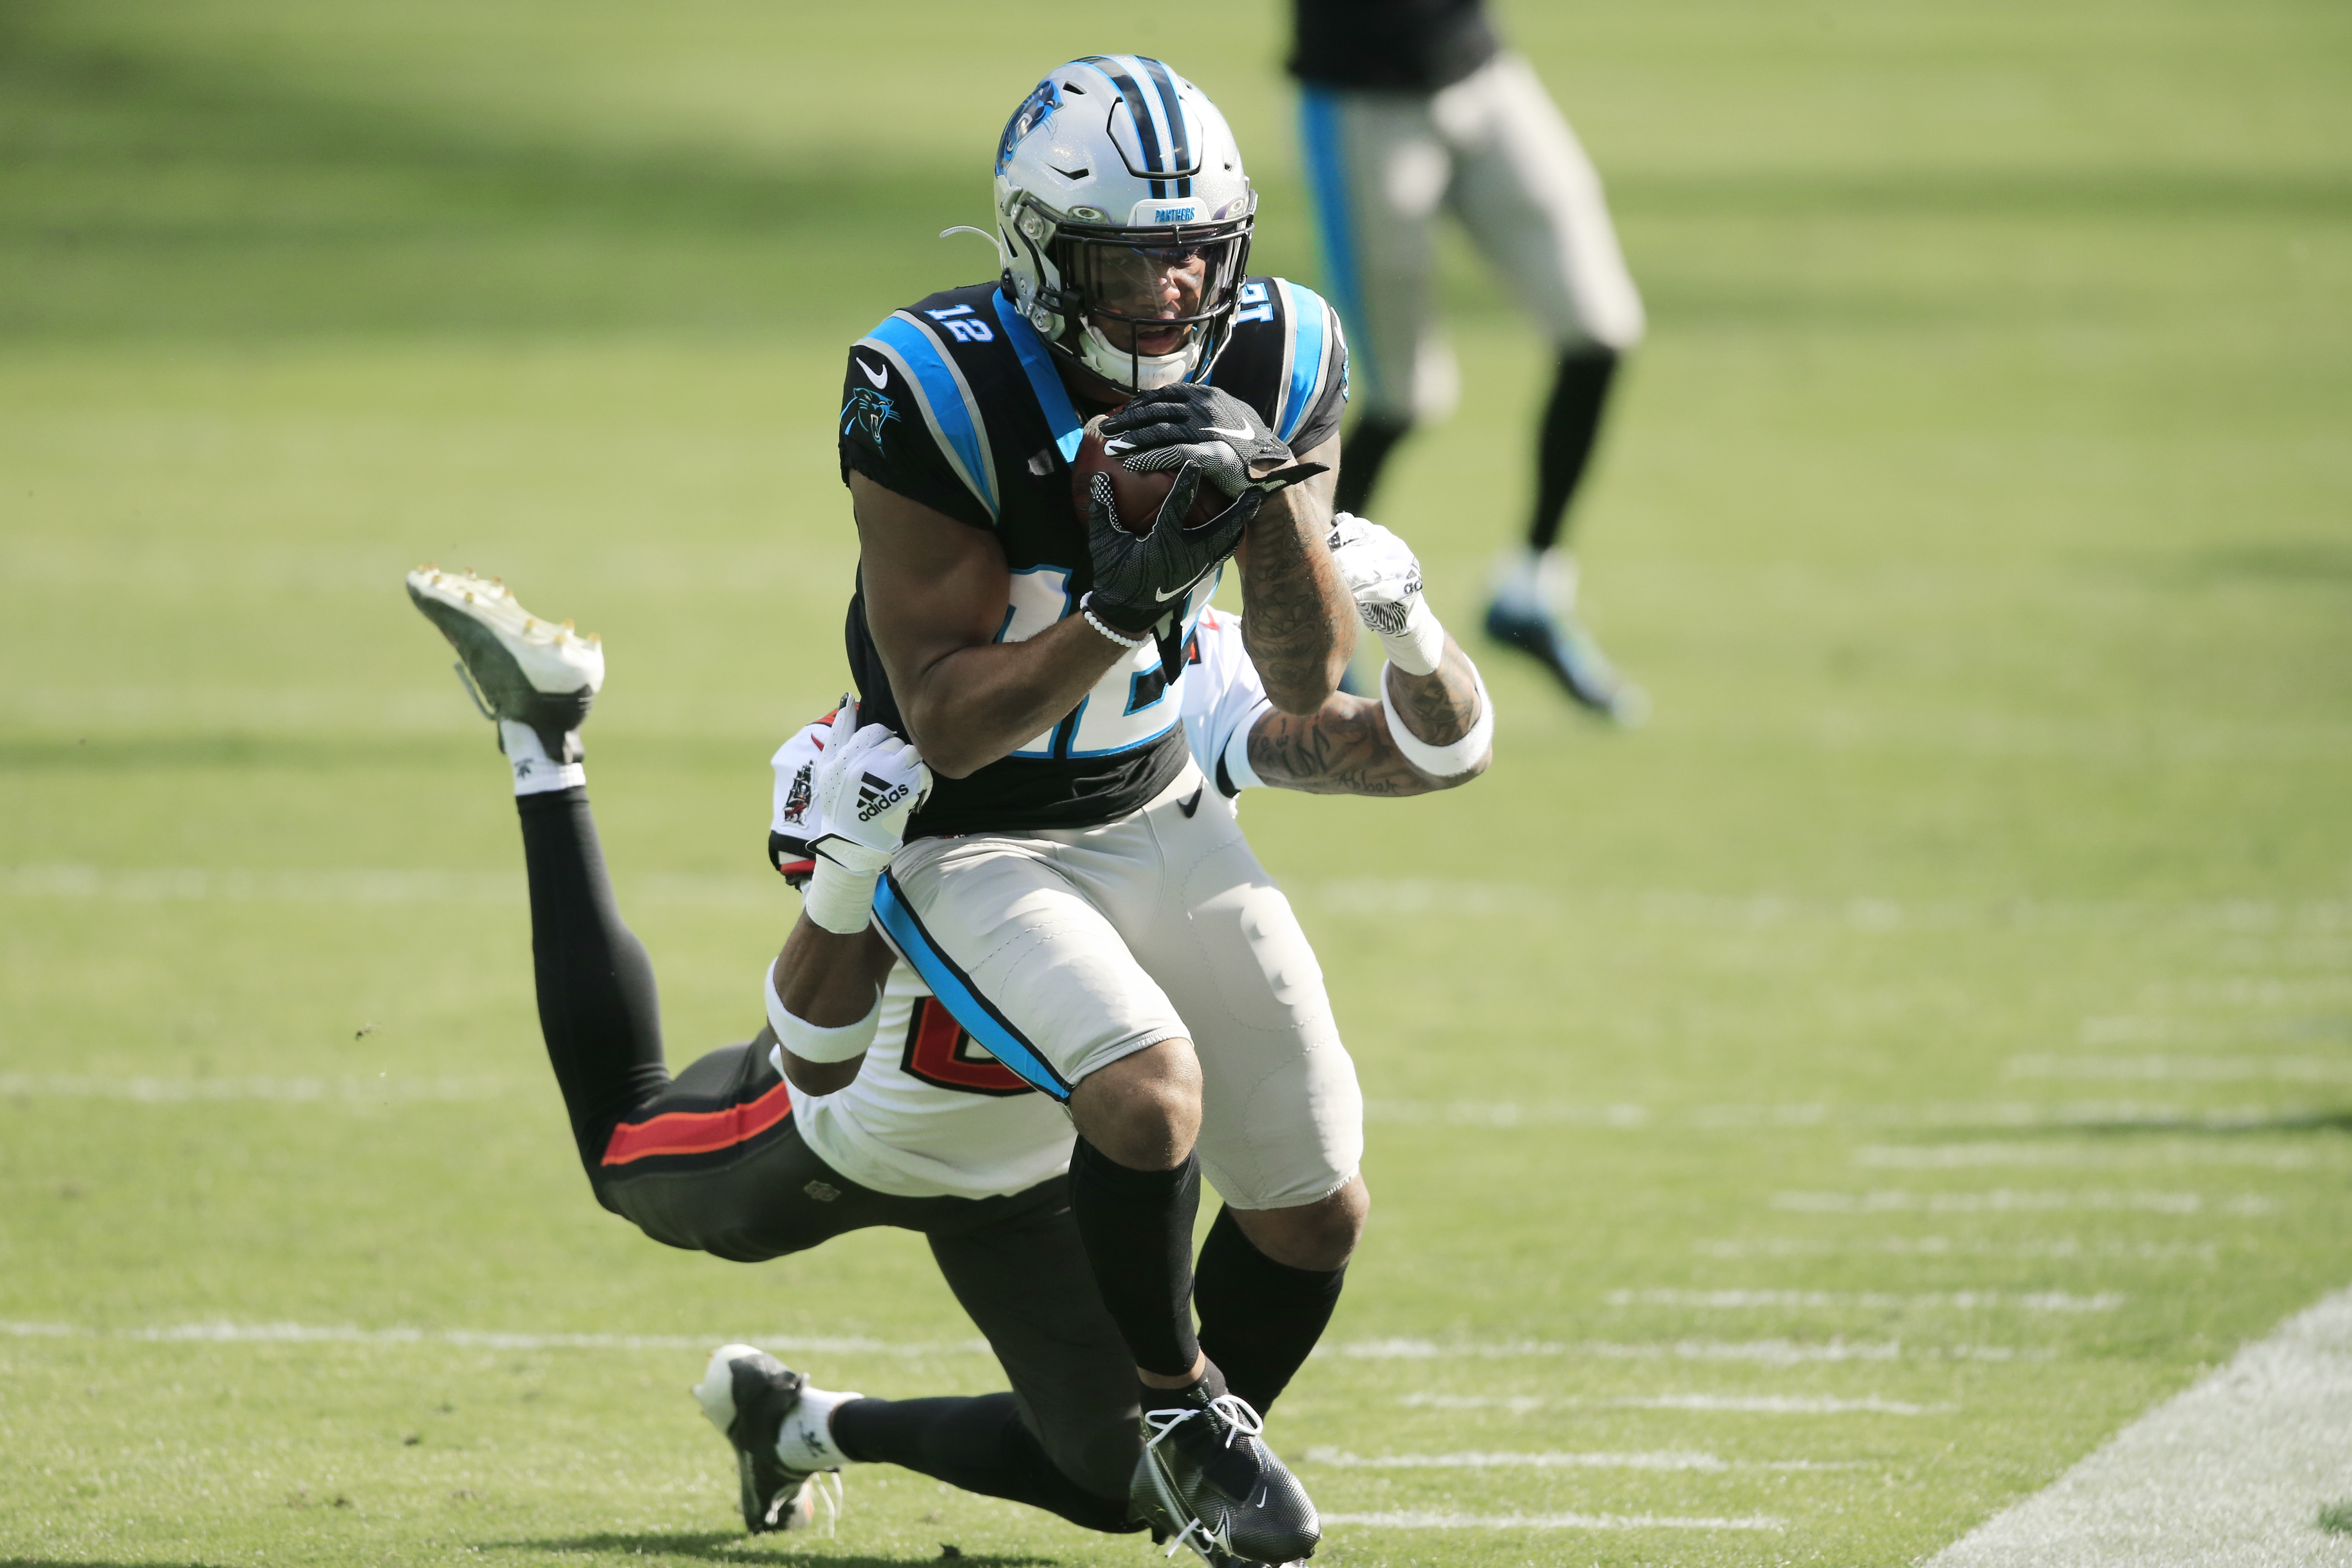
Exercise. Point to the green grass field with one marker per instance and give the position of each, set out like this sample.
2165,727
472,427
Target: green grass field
1828,1112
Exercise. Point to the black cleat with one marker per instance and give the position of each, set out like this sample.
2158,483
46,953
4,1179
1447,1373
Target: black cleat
1562,645
1207,1480
747,1393
517,667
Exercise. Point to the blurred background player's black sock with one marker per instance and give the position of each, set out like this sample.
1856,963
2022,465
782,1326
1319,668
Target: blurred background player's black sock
1138,1229
597,1005
977,1444
1572,423
1363,456
1259,1319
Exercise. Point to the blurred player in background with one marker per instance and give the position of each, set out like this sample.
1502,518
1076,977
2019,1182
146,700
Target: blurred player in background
1408,106
908,1122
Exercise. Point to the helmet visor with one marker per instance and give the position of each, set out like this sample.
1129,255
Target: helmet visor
1151,292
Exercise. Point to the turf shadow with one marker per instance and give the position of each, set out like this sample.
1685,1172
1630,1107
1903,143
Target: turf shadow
728,1546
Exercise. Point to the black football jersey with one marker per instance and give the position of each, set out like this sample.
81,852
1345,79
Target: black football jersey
955,402
1389,46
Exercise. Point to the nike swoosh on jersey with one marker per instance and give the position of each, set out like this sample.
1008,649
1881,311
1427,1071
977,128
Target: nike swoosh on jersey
880,378
1243,433
1192,803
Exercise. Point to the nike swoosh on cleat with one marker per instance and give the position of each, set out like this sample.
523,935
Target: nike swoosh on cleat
1243,433
880,378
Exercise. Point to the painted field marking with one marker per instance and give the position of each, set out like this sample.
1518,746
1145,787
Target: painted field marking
1737,1404
1961,1300
2062,1246
2189,1069
1414,1520
151,1090
1976,1156
1766,1353
2012,1201
484,1339
1667,1459
2231,1473
2102,1115
349,885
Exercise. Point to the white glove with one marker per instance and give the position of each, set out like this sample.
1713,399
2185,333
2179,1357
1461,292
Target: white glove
1381,573
867,783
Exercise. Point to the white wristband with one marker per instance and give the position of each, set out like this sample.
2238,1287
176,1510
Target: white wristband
837,898
1442,762
1417,649
810,1043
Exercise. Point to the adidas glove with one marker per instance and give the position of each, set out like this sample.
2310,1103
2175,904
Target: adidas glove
1207,426
1381,573
867,783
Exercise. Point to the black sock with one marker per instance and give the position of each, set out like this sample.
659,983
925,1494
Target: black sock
597,1006
1137,1230
1363,456
1572,423
1259,1319
976,1444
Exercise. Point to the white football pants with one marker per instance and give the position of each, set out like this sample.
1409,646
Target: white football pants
1495,149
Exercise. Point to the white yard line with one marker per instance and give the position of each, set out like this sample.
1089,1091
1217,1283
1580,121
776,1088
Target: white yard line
1734,1404
1874,1300
381,1088
486,1339
2231,1473
1768,1353
2012,1201
1410,1519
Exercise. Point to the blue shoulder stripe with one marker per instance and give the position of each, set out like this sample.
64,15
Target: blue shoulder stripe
949,408
1053,397
1304,356
949,982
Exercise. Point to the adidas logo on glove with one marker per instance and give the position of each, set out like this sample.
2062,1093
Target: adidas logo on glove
876,795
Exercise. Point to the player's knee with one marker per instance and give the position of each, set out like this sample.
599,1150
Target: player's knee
1320,1236
1142,1110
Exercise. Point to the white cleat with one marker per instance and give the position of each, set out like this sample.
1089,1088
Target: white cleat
519,668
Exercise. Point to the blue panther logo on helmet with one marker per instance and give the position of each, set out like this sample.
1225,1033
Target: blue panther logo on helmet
1043,99
870,409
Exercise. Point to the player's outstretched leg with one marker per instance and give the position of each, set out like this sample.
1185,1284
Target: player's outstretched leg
781,1430
1534,605
597,1003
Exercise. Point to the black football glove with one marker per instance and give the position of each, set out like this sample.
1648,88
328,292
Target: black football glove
1190,423
1140,580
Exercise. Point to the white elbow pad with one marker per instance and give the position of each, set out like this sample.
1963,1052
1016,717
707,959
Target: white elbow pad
810,1043
1442,762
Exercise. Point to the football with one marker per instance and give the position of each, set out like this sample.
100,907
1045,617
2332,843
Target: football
1137,496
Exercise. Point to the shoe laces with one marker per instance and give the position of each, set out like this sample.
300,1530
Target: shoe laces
1240,1420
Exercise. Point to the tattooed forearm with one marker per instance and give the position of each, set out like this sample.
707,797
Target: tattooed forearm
1299,625
1439,707
1345,748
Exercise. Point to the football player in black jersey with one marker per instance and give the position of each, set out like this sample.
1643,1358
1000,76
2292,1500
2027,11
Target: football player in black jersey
1059,890
1409,106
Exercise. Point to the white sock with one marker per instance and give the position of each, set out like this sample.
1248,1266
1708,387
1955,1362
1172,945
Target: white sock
535,773
1536,582
805,1440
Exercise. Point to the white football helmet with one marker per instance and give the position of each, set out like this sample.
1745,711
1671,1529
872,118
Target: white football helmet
1121,204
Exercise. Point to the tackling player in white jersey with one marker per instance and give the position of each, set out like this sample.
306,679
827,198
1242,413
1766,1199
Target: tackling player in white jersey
931,1134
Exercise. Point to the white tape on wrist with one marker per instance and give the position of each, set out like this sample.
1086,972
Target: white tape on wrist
810,1043
1441,762
838,899
1417,649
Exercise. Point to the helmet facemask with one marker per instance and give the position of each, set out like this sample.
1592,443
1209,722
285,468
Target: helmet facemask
1148,307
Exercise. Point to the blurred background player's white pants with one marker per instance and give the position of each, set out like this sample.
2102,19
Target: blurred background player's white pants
1493,150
